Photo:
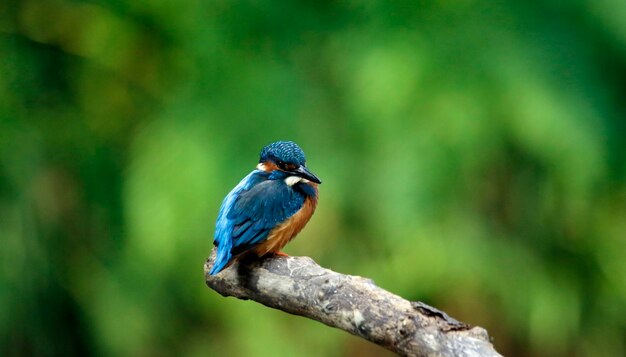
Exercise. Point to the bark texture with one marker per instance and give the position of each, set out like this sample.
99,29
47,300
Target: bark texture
299,286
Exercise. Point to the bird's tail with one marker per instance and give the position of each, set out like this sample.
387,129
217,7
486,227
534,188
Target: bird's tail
221,260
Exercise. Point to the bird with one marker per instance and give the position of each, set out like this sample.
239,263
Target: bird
268,208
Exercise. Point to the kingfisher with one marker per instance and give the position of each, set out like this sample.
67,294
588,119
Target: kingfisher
268,208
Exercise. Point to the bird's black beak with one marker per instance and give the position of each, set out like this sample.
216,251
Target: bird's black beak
303,172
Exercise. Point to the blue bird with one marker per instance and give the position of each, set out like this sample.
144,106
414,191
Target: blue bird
268,207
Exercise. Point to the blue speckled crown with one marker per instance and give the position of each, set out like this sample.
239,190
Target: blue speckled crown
286,151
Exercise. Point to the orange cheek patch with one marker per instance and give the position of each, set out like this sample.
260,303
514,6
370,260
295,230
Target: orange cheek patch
269,166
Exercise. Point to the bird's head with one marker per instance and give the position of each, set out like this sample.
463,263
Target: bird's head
285,160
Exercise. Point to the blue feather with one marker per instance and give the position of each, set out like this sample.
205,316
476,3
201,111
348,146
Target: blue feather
249,213
224,227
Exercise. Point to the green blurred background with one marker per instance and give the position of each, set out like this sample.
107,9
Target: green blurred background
473,156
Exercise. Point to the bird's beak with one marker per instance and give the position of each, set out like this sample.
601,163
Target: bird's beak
303,172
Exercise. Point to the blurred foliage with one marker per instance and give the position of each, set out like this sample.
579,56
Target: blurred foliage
473,156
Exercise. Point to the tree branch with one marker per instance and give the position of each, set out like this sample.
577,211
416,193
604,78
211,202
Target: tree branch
299,286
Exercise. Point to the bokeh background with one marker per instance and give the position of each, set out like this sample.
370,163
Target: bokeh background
473,156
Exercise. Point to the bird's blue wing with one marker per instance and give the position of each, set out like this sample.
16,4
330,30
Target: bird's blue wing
258,210
223,239
249,212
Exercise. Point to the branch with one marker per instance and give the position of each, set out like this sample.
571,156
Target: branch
299,286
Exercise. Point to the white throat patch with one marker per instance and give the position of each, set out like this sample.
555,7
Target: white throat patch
292,180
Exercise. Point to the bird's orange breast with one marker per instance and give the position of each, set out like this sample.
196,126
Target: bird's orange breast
285,232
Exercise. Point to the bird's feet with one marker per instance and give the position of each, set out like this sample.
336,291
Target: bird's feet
281,254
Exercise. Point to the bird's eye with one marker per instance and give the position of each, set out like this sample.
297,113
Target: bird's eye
286,166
